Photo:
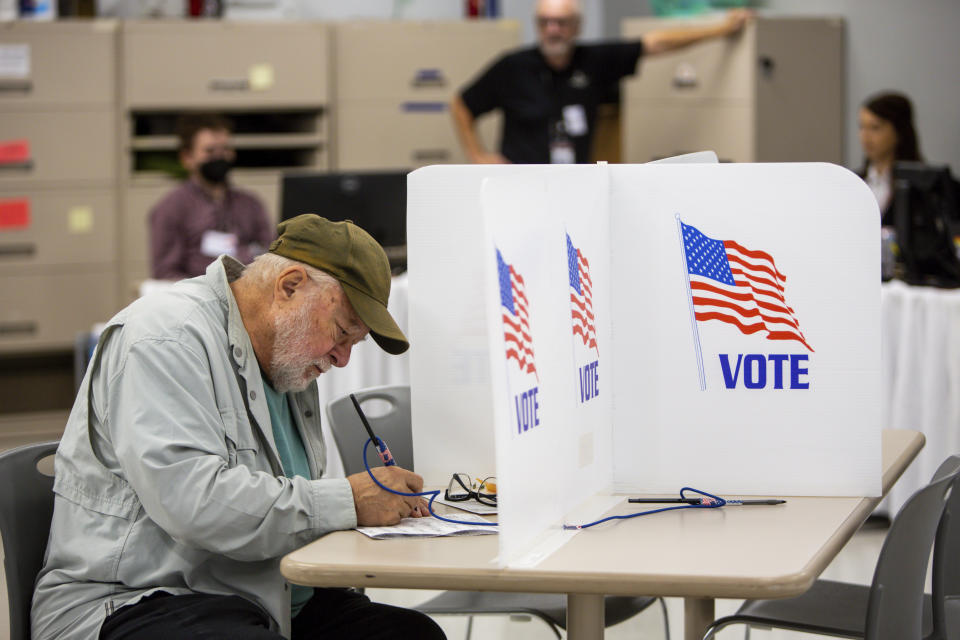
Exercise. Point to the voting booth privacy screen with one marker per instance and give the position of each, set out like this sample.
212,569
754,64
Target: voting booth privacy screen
591,329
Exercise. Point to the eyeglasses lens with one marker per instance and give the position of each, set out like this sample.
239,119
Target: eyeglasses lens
459,488
487,491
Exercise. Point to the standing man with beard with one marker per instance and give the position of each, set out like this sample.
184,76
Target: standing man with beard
205,216
193,459
549,93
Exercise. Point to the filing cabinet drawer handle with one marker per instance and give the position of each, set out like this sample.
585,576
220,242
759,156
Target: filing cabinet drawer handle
12,328
423,107
16,86
430,154
21,250
681,82
229,84
685,76
428,78
22,165
767,66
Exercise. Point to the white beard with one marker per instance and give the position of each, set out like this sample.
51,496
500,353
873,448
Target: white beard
557,49
289,369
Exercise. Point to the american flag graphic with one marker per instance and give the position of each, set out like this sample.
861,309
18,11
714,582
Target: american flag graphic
581,296
516,321
742,287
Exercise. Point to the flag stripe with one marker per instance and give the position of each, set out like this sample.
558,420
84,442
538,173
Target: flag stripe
710,291
751,308
761,285
762,255
744,312
751,327
581,309
745,328
765,292
758,269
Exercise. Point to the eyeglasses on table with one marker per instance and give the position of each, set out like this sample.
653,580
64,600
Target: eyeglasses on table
462,488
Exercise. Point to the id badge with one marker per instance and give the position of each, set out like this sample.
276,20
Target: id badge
562,153
575,120
215,243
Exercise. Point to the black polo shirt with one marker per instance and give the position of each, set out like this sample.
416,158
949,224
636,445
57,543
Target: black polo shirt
532,95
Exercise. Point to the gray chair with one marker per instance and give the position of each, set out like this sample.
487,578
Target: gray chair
26,507
84,344
943,607
393,425
894,606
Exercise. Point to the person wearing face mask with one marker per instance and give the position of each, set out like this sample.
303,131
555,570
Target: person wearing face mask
549,94
205,216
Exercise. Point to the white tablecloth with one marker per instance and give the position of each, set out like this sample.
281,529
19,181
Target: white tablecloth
369,366
920,350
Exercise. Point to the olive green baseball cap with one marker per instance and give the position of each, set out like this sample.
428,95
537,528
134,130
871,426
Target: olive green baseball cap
353,257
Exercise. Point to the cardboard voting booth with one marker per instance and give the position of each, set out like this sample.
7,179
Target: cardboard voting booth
584,330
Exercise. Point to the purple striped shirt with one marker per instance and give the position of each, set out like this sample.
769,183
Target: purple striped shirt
179,221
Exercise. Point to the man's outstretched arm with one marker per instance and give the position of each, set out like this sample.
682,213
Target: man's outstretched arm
465,125
664,40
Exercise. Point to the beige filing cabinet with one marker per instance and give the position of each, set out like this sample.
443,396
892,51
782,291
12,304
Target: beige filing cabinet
394,81
58,179
25,428
271,79
774,93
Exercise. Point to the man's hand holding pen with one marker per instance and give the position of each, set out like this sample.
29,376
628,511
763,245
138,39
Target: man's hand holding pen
376,507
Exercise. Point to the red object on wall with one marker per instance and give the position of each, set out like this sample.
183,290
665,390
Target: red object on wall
14,214
13,151
474,8
204,8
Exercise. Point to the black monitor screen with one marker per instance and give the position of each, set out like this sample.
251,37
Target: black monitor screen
925,216
375,201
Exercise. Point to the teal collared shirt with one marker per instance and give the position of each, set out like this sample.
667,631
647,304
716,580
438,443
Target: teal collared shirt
293,457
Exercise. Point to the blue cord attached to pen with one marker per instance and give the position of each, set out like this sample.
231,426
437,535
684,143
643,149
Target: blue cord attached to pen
433,494
709,501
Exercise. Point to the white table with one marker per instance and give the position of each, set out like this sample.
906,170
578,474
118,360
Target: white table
700,555
920,334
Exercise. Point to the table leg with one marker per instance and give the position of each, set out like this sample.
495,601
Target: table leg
584,617
697,616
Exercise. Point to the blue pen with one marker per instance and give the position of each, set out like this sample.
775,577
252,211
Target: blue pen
381,446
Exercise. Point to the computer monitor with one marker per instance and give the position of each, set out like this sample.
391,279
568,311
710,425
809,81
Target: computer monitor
375,201
925,210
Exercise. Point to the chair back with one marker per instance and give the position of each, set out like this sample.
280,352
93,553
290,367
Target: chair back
388,412
895,607
946,564
26,507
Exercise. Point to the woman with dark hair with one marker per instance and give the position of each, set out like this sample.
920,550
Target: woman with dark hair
887,135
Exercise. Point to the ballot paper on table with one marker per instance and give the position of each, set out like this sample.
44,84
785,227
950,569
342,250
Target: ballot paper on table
430,527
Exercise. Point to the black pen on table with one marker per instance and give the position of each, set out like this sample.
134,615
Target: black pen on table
381,446
731,502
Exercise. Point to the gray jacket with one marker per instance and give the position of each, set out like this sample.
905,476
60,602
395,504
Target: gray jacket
176,484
